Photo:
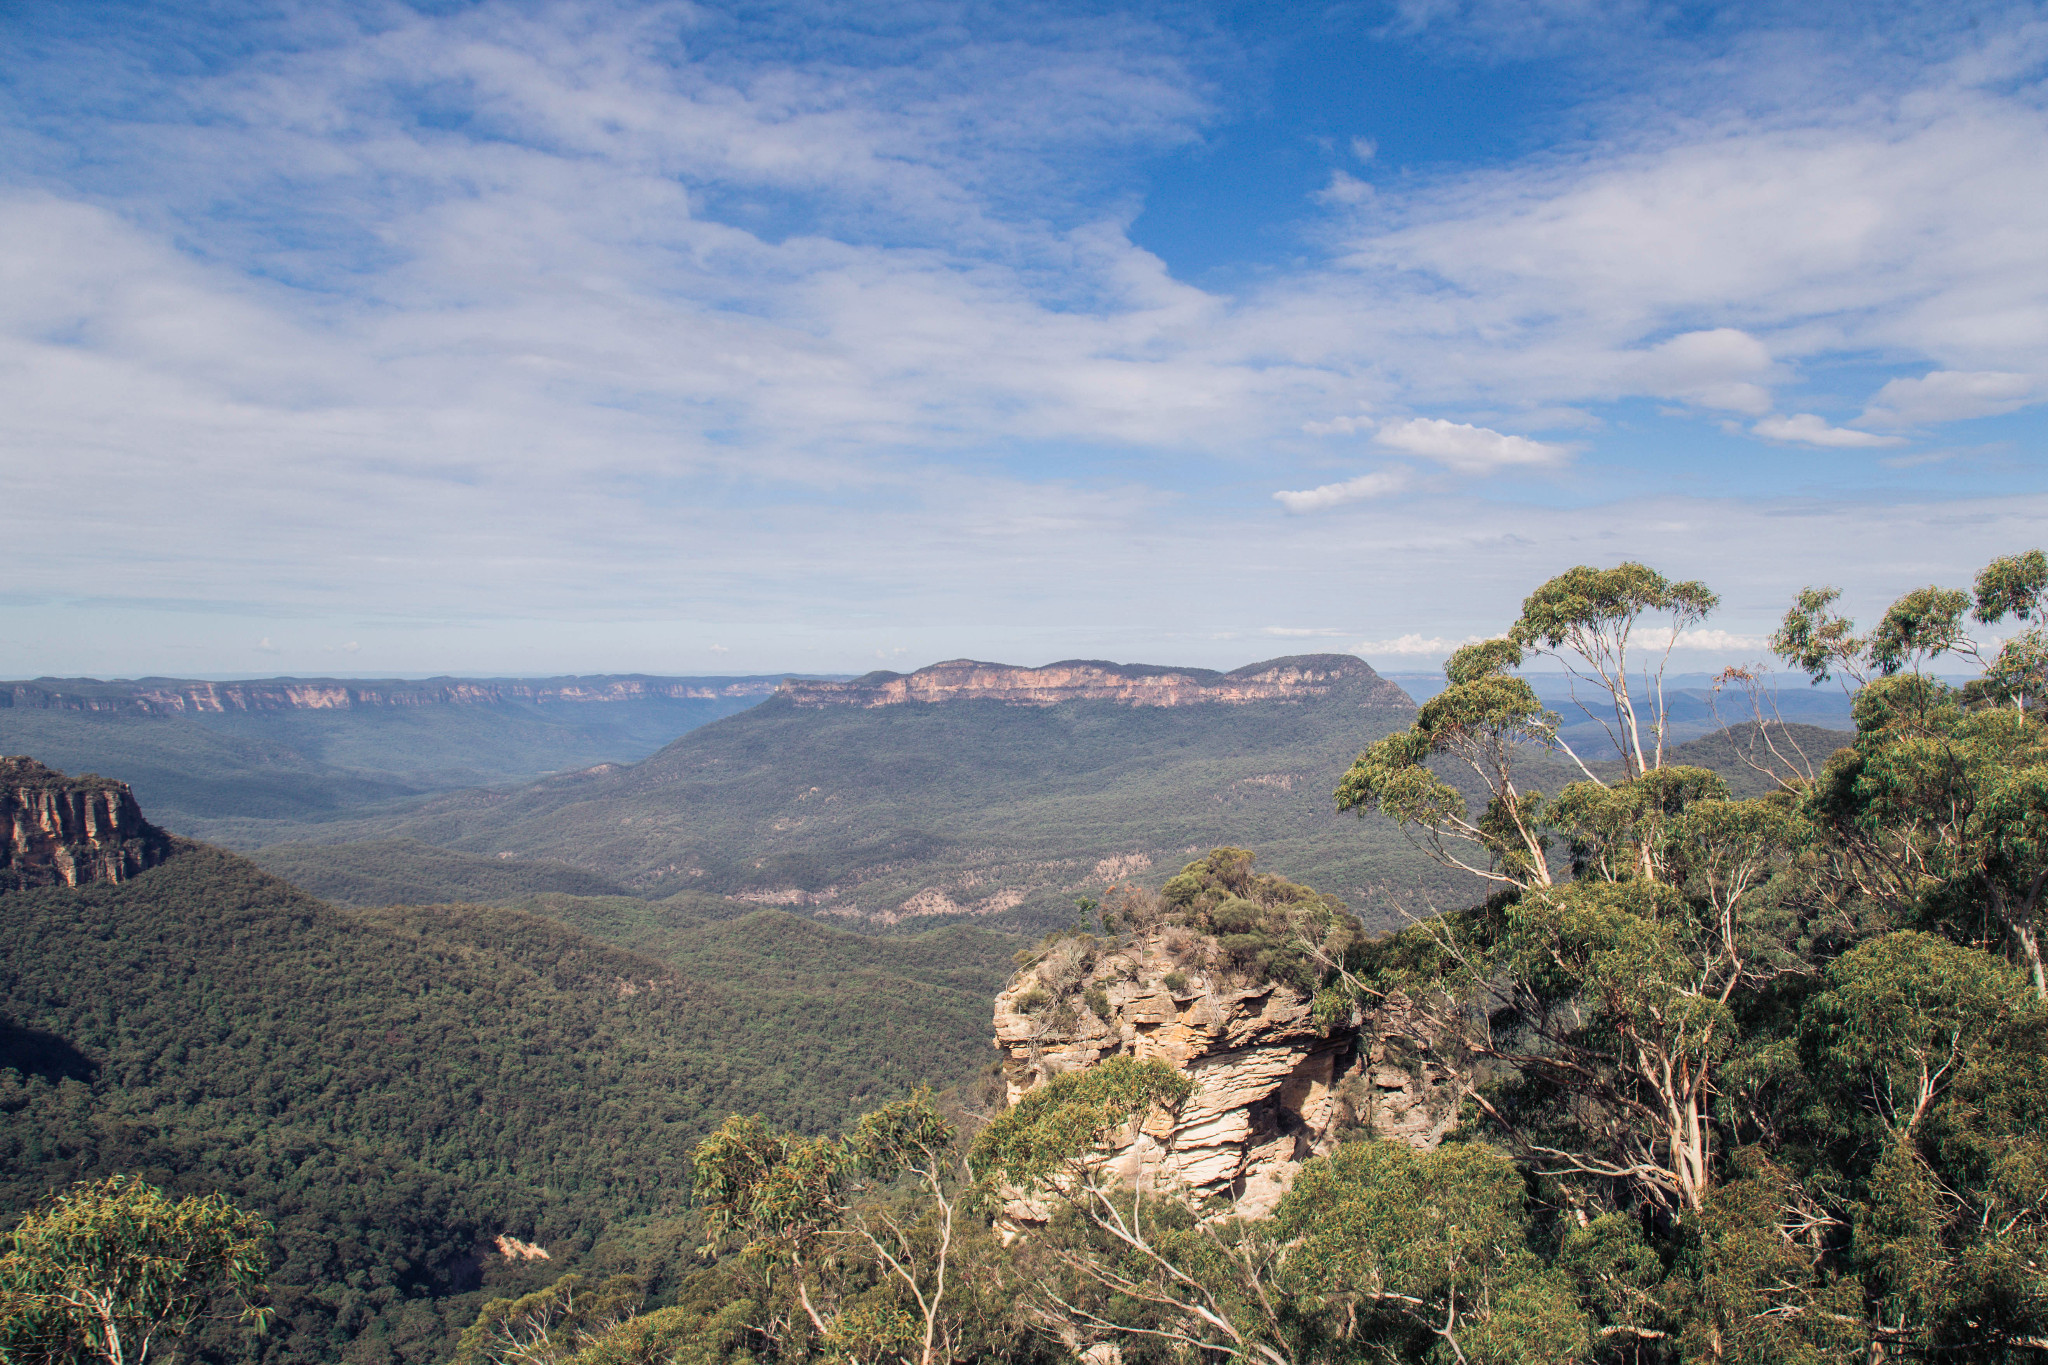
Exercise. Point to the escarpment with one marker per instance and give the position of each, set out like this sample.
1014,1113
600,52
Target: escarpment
1302,677
186,696
1219,977
66,831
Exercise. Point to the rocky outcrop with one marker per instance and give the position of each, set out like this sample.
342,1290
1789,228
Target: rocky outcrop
176,696
1302,677
66,831
1273,1085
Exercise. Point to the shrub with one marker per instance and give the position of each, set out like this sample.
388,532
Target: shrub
1218,912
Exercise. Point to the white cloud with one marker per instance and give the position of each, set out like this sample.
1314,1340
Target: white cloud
1426,646
1364,148
1950,395
1340,426
1344,188
1377,484
1716,368
1466,448
634,308
1807,429
1700,640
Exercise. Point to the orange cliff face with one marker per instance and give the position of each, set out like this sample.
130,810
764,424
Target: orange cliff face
1302,677
64,831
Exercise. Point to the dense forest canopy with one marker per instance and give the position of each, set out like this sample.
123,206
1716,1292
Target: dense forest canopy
395,1088
1745,1078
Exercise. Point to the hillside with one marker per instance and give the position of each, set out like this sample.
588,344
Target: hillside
395,1088
247,762
400,871
859,801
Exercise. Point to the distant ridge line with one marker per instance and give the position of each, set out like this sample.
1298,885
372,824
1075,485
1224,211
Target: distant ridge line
185,696
1294,678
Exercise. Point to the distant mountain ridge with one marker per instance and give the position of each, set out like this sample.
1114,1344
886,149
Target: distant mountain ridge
1297,677
186,696
963,789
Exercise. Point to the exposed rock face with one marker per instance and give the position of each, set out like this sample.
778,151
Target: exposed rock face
64,831
174,696
1299,678
1273,1087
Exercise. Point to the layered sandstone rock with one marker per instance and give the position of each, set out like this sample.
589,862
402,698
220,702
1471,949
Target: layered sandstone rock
1300,678
63,831
1273,1085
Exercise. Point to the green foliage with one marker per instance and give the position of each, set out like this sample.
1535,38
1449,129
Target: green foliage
1816,639
550,1326
1940,814
1570,610
1752,1283
1481,723
782,1191
110,1270
1424,1255
1922,624
2012,585
1928,1080
1062,1120
1262,927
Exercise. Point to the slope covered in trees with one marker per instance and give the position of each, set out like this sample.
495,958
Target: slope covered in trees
393,1089
966,806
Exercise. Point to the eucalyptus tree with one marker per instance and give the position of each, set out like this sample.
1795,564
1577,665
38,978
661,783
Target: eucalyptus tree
1925,624
1938,812
791,1197
117,1271
1635,913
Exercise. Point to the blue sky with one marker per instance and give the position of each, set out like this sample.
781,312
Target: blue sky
731,338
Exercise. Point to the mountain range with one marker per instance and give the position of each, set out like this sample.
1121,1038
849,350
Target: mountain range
965,789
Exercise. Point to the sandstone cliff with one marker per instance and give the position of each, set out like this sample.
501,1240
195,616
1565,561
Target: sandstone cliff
1277,1080
178,696
65,831
1301,677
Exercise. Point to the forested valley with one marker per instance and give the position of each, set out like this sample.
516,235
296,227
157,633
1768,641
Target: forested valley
1737,1053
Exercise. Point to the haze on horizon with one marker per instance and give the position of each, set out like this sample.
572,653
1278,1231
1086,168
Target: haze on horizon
503,338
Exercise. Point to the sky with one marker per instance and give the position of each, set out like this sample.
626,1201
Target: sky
500,338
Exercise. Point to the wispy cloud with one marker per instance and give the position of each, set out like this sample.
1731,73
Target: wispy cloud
1413,646
1341,426
1466,448
1807,429
1718,368
514,314
1949,395
1378,484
